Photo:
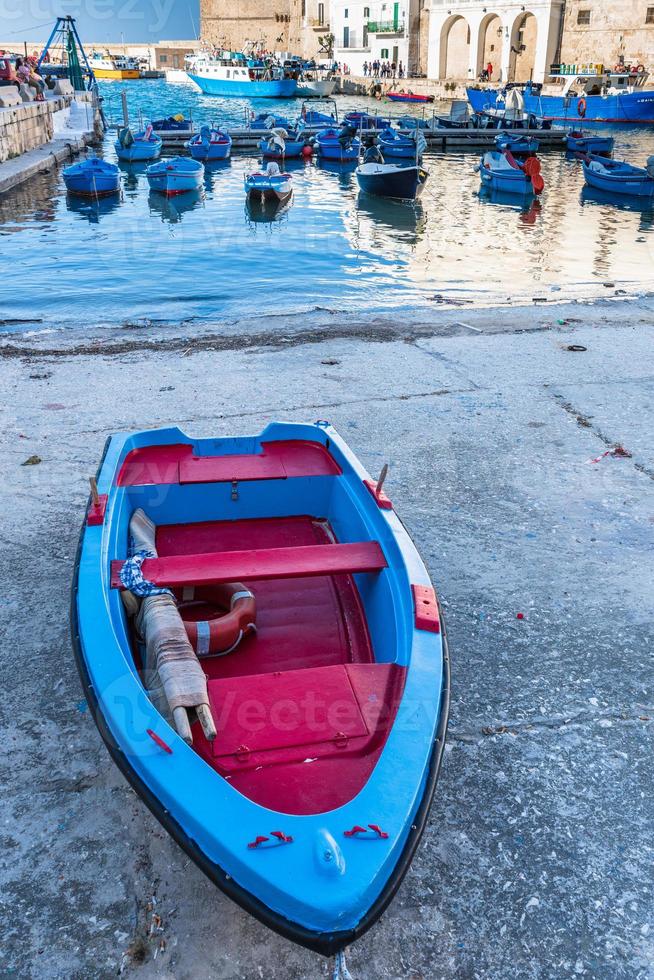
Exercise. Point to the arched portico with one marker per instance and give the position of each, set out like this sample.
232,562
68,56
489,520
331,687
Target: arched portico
454,59
535,26
524,43
489,48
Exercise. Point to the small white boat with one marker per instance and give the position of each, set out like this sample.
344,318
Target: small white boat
311,86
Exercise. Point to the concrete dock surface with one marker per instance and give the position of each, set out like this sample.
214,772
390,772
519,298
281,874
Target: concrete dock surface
524,472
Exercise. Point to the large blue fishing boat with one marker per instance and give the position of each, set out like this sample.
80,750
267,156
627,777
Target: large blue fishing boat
270,570
233,75
610,97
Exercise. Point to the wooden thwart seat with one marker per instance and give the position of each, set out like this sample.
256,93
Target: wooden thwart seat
214,568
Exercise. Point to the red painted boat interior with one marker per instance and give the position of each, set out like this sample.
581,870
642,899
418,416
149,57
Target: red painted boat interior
301,707
179,464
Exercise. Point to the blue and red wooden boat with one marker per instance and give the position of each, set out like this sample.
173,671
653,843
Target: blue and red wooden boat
500,171
210,144
403,96
92,177
303,788
580,142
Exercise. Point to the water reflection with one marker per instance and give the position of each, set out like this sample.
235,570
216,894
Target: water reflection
92,209
406,219
344,171
264,212
529,208
639,205
133,173
173,209
214,172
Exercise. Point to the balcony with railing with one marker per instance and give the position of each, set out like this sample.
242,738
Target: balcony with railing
385,27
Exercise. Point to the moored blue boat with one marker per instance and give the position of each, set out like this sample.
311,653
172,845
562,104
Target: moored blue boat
579,142
335,144
500,171
269,185
518,145
281,145
308,821
397,145
175,176
619,177
92,177
137,147
615,97
210,144
312,118
364,120
391,180
268,120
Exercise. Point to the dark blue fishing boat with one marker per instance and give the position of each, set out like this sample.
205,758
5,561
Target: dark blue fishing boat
518,145
221,573
579,142
268,120
92,178
364,120
618,177
382,179
395,144
210,144
338,144
281,145
312,118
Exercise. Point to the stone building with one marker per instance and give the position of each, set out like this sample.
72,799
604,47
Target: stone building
522,40
606,31
519,42
293,26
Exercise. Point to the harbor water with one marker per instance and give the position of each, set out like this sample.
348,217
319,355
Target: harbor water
209,256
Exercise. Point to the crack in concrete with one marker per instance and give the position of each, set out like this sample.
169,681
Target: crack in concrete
436,393
585,423
557,722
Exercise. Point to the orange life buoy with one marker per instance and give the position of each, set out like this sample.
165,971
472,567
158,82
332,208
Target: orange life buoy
216,618
640,70
582,105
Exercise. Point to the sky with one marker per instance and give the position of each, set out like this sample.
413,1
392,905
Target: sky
101,20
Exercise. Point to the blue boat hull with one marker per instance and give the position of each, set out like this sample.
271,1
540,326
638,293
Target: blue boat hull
507,183
292,150
138,152
283,88
332,149
92,178
207,152
398,150
518,146
326,879
628,185
590,144
405,183
631,108
268,188
175,177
